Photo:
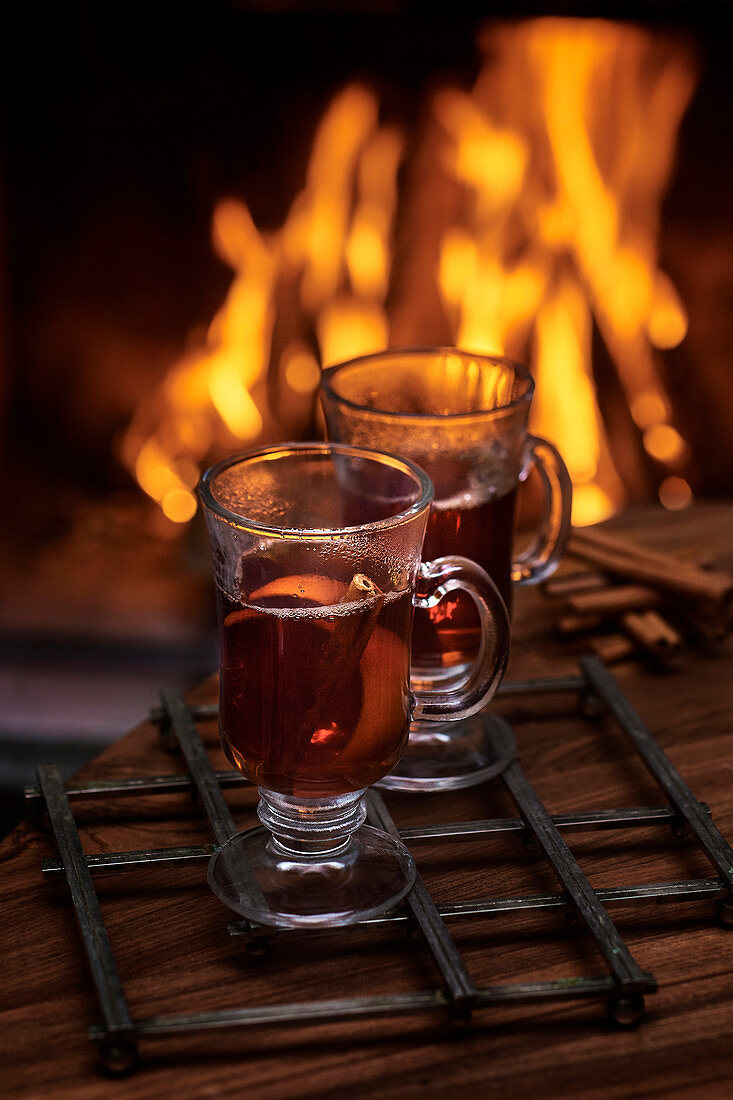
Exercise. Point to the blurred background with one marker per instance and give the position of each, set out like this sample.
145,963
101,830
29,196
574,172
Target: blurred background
206,203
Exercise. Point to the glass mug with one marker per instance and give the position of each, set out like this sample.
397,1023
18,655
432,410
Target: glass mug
317,552
463,418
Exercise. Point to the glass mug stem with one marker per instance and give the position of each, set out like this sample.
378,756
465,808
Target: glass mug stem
541,558
478,685
314,828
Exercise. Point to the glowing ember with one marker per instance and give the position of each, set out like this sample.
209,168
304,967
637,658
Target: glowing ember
538,205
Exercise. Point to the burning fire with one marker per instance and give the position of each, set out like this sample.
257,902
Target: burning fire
535,198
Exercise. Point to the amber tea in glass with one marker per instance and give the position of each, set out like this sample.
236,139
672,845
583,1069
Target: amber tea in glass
463,418
317,555
314,674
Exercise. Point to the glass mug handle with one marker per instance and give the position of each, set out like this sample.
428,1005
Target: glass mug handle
437,578
542,557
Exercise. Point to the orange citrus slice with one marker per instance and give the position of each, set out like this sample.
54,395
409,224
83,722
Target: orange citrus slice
240,616
384,671
304,586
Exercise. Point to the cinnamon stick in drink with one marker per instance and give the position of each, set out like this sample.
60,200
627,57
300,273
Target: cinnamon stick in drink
345,648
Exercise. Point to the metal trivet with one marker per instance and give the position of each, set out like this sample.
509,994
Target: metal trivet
623,988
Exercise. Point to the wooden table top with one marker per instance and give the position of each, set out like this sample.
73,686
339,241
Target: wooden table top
174,954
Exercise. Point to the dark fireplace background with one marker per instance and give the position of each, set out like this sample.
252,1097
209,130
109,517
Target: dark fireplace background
122,126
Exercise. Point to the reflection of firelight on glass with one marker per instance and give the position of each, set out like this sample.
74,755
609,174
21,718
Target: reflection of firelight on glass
443,611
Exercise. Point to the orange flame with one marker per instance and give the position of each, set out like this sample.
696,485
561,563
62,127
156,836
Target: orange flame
564,146
561,153
335,248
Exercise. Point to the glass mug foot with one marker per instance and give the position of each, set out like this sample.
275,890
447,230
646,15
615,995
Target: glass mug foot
448,756
303,870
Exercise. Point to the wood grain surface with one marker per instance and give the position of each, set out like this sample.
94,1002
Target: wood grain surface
174,954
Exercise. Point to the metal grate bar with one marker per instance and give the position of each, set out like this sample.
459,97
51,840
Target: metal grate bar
171,784
312,1012
714,844
560,988
130,861
209,790
541,685
623,988
421,905
90,789
293,1013
633,816
86,905
596,819
199,765
679,890
617,955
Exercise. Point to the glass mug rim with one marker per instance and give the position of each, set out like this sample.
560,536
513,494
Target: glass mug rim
384,458
496,412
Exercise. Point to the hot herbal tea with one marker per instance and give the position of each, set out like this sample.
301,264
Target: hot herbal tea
314,680
316,549
463,418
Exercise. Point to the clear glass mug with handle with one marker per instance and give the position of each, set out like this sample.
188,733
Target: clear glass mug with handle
464,419
317,552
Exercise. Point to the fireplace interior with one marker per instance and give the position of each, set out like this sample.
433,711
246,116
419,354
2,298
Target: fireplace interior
154,164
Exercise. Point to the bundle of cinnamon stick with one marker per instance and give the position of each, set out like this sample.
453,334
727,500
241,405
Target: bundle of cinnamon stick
629,600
